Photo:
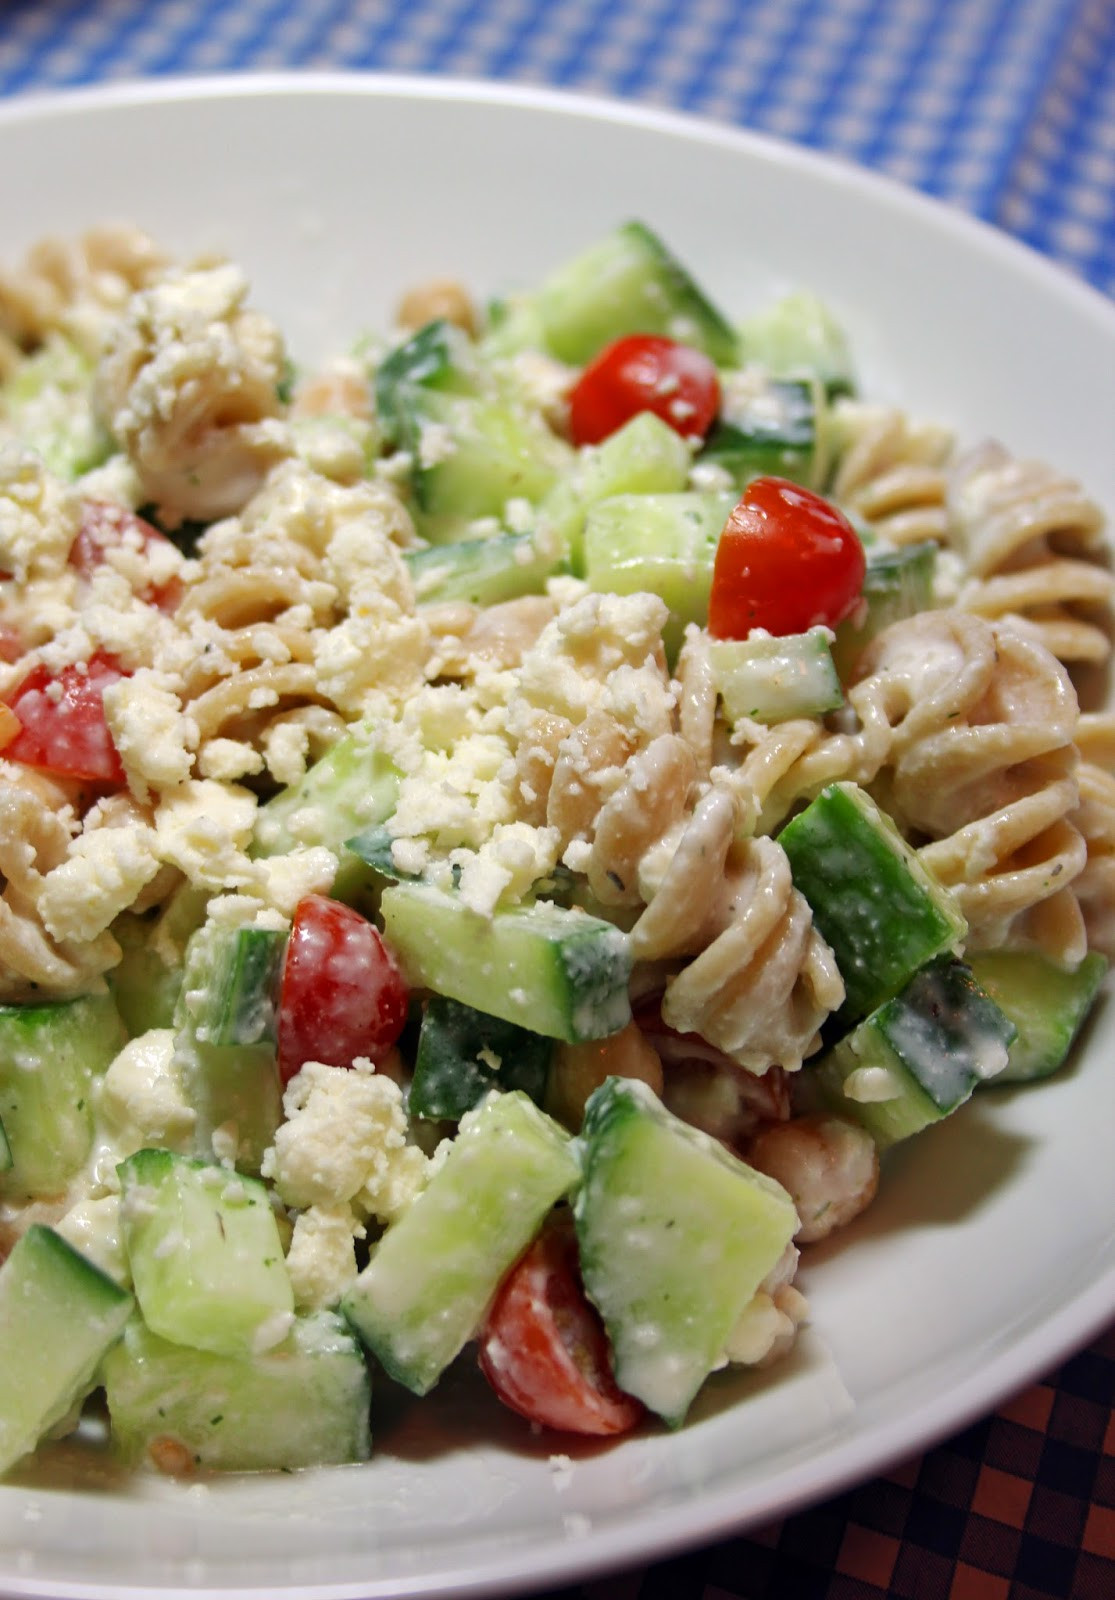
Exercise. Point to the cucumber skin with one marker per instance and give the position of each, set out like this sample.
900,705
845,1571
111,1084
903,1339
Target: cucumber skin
553,971
450,1075
897,584
224,1276
872,900
662,1198
47,1112
59,1316
423,1293
303,1404
1047,1005
936,1039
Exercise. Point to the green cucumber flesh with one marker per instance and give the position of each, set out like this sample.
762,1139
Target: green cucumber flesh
205,1254
59,1316
304,1403
873,901
144,985
919,1056
552,970
769,679
628,282
799,335
664,544
645,456
463,1054
234,985
485,572
435,357
50,1057
1048,1005
423,1293
773,425
675,1237
48,402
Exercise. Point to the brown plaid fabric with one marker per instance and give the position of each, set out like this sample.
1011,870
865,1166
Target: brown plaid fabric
1020,1506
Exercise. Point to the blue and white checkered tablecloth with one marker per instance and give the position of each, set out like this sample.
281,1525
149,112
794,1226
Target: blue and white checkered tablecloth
1005,107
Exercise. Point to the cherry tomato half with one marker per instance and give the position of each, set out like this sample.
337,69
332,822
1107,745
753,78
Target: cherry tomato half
62,721
106,527
644,372
786,561
543,1347
342,992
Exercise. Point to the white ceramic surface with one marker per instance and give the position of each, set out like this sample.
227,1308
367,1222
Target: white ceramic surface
990,1253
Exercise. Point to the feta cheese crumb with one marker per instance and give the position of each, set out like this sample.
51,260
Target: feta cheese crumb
321,1260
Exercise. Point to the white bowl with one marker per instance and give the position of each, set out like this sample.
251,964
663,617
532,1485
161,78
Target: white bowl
990,1253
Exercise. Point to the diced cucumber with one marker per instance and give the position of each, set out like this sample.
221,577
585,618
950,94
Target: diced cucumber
897,584
645,456
5,1151
628,282
463,1054
474,454
872,899
48,403
351,787
1047,1004
143,985
424,1291
206,1258
661,543
233,1088
438,357
235,985
485,572
59,1315
771,679
49,1058
799,335
770,425
919,1056
675,1237
303,1403
555,971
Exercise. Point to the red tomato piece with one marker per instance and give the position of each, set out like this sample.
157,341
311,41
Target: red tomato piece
644,372
342,992
543,1347
106,527
62,716
786,561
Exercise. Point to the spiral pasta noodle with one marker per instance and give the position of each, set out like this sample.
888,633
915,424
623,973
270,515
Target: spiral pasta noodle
73,286
1030,541
890,472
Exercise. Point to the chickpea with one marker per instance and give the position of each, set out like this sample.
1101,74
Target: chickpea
578,1069
440,297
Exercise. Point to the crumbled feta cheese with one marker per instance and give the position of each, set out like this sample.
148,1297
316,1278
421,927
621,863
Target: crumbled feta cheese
344,1137
321,1260
101,877
140,1103
92,1226
39,517
204,829
283,880
154,737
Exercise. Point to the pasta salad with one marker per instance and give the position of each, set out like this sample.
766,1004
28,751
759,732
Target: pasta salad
498,835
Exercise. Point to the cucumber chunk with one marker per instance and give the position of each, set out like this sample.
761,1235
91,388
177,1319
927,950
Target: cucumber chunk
628,282
464,1054
661,543
919,1056
438,357
485,572
50,1056
303,1403
424,1291
675,1237
5,1150
233,1088
206,1258
351,787
770,679
769,425
798,334
48,402
557,972
897,584
872,899
1047,1004
236,1000
645,456
144,985
59,1315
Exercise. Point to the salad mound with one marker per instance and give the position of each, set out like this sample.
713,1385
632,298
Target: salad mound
499,834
